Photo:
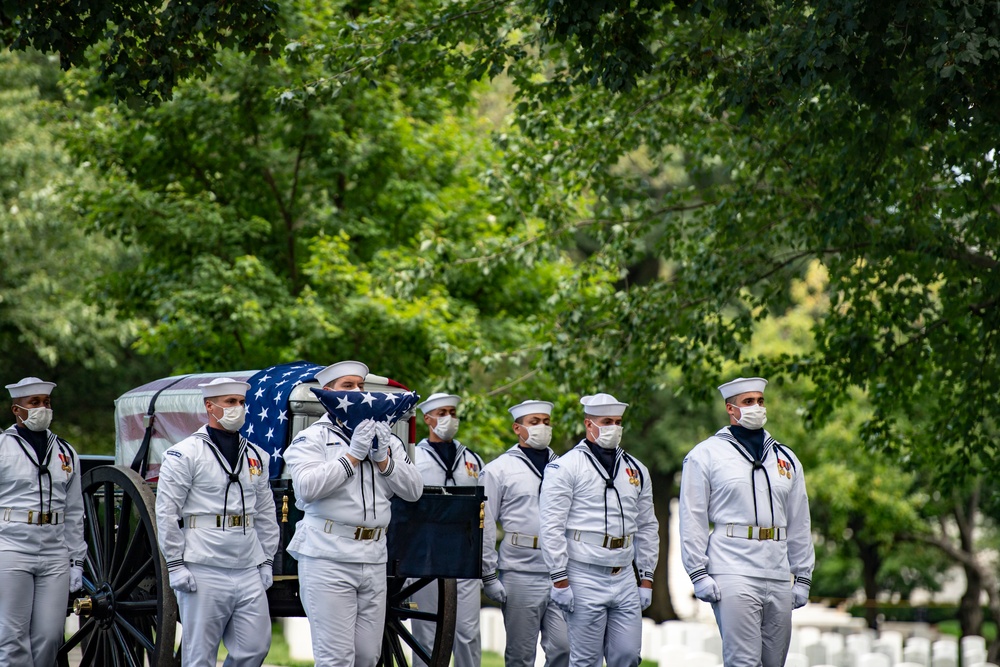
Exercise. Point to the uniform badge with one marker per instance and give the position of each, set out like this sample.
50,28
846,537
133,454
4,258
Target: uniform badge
65,462
784,468
255,467
633,476
471,469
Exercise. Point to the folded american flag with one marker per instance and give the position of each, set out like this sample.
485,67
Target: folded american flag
267,407
353,407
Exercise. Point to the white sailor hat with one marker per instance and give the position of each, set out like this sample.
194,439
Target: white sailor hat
435,401
742,386
339,370
224,387
530,408
603,405
30,387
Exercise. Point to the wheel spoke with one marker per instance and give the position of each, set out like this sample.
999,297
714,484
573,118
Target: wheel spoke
131,659
146,641
109,525
133,581
138,607
124,523
95,543
90,653
419,650
416,615
77,636
408,591
133,545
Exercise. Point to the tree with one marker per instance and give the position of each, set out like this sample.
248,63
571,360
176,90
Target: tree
56,323
142,49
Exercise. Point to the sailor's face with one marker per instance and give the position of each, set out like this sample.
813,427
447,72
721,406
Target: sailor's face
749,399
347,383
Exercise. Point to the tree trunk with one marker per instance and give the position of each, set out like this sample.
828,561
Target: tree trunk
871,563
970,611
662,608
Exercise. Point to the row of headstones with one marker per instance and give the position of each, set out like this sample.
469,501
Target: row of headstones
696,644
889,649
700,645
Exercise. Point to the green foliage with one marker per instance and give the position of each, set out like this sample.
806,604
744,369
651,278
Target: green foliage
142,49
56,321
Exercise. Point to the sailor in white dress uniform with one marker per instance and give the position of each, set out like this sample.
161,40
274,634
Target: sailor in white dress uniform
597,523
444,461
344,482
752,489
41,529
516,576
218,531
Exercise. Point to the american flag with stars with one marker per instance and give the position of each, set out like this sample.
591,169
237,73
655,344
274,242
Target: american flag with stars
351,408
267,407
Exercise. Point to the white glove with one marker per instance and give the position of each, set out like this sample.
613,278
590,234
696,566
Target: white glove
495,591
361,440
563,598
266,575
706,590
381,442
800,595
645,597
75,578
182,580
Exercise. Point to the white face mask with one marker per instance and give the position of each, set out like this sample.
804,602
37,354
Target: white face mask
446,427
609,436
539,436
752,417
38,419
232,417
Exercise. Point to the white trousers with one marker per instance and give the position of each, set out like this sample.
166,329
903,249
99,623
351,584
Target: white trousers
467,648
230,606
606,623
755,619
34,592
345,603
529,612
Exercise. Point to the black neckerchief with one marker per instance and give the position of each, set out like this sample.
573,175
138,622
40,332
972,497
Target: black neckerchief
39,440
605,456
538,457
602,455
752,439
446,451
232,473
756,463
228,444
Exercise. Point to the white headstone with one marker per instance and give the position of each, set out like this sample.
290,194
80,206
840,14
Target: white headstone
796,660
652,637
672,654
817,654
698,659
917,654
874,660
492,631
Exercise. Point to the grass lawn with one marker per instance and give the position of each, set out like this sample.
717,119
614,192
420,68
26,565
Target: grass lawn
953,628
279,653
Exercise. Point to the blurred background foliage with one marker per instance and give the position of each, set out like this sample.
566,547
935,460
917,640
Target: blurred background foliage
541,199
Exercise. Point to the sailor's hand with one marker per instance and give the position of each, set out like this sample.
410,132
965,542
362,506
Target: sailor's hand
182,580
381,442
361,439
706,590
562,597
800,594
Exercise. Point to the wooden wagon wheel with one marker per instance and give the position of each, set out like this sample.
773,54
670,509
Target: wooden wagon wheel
128,613
398,610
